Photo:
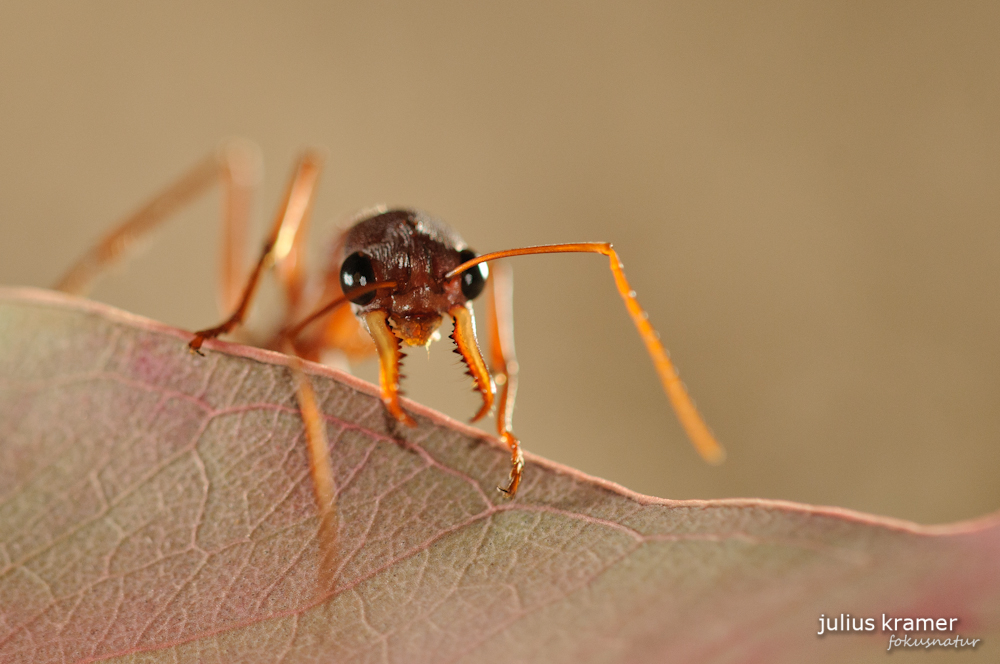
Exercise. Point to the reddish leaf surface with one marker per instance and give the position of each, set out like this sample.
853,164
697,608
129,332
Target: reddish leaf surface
156,506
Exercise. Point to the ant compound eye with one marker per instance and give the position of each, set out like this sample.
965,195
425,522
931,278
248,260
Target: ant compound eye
357,271
473,279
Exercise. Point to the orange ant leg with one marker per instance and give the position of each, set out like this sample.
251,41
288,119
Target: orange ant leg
236,163
242,178
503,363
320,470
289,248
279,245
698,432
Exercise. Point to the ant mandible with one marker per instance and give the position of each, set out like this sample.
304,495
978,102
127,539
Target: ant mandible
402,272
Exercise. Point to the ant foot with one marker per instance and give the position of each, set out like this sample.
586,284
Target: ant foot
202,335
515,478
199,338
195,344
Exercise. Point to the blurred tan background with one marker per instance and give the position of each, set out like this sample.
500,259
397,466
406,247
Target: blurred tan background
805,197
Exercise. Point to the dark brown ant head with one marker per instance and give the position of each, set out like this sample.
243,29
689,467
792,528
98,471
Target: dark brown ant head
414,251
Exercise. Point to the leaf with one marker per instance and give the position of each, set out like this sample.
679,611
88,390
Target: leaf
156,506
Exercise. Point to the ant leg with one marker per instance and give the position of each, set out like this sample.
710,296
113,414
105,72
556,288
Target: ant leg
698,432
280,243
236,163
289,248
503,363
321,472
242,178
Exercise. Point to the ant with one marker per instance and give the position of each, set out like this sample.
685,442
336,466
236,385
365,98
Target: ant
401,271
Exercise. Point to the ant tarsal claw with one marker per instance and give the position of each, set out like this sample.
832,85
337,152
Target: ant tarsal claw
515,479
195,344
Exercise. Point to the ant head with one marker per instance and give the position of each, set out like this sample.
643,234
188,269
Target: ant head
414,251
